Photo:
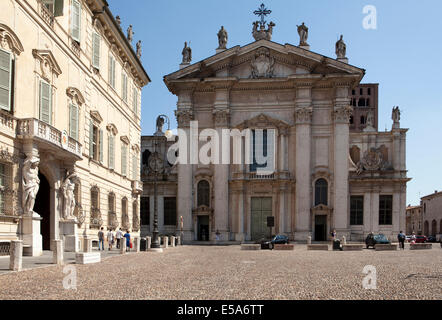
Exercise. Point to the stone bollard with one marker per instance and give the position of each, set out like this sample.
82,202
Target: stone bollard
309,240
165,242
172,241
58,252
87,244
123,246
178,240
16,255
148,243
137,244
344,240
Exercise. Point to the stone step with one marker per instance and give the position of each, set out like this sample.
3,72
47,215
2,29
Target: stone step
87,257
385,247
319,247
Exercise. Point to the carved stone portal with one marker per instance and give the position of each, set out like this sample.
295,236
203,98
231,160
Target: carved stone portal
262,64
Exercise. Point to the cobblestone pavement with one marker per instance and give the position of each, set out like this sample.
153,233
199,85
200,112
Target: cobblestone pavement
197,272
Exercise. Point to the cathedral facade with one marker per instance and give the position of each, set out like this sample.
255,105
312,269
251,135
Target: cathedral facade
332,168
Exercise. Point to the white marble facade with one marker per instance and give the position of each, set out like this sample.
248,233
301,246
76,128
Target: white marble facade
305,97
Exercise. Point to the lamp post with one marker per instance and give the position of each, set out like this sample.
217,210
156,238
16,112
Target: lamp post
156,164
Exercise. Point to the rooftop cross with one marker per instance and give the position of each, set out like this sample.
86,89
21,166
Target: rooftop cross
262,12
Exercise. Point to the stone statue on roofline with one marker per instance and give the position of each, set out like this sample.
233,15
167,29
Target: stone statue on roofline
303,34
222,38
262,33
130,34
341,48
118,19
139,49
187,54
396,117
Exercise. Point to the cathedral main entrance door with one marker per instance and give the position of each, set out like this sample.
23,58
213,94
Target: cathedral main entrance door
320,228
261,209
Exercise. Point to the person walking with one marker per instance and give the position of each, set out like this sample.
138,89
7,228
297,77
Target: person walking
110,239
333,234
119,236
127,236
101,239
401,238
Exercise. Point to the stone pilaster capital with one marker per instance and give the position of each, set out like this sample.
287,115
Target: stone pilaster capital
303,115
341,114
221,118
184,117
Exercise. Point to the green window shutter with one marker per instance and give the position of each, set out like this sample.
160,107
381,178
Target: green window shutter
111,152
76,20
112,71
73,121
135,100
5,80
101,145
134,167
96,45
58,10
124,86
91,139
45,102
124,159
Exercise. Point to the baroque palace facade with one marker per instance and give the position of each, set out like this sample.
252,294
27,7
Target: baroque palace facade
333,169
70,97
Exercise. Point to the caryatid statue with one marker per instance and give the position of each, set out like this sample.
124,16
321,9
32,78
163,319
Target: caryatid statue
139,49
31,184
341,48
222,38
303,34
130,34
68,188
187,54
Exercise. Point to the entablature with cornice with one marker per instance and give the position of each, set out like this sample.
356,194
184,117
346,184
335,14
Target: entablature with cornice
116,37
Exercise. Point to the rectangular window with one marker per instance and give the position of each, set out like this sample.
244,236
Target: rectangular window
123,159
2,187
94,199
124,86
96,143
356,210
45,102
135,100
73,121
111,151
112,71
96,46
5,80
145,211
170,211
262,148
385,210
76,20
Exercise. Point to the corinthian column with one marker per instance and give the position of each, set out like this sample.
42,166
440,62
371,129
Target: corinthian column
185,182
341,115
303,120
221,180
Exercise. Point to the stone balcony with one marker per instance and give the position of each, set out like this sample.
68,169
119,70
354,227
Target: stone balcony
7,124
137,187
254,176
49,138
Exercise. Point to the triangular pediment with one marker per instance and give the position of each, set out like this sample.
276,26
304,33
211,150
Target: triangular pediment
264,60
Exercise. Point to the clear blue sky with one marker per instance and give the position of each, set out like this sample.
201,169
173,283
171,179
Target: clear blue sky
404,55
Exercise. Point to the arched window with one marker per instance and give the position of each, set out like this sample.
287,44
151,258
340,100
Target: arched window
203,193
426,228
434,228
321,192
